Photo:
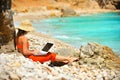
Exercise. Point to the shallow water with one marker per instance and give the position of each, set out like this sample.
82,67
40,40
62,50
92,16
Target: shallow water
101,28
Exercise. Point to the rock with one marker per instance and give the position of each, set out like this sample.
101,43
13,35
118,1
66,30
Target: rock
66,11
66,52
4,76
110,6
13,76
100,56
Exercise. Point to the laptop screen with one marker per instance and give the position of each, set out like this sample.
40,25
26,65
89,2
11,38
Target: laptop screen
47,47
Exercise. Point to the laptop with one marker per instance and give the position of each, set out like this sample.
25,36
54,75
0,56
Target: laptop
45,49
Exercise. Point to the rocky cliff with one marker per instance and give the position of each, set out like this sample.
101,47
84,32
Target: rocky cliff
109,4
33,5
6,22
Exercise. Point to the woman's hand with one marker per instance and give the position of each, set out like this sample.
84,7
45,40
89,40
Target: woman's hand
35,52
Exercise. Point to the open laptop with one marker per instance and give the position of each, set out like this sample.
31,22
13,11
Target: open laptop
45,49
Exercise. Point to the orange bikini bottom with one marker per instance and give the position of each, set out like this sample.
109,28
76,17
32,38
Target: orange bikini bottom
43,58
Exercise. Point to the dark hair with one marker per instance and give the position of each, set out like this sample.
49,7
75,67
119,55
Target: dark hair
21,32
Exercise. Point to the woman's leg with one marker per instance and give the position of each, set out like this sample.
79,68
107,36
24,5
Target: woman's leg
65,59
43,58
53,57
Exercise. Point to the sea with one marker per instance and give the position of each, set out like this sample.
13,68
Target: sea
102,28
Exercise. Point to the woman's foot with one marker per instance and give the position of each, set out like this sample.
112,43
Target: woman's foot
72,59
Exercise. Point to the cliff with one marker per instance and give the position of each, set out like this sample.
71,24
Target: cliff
109,4
33,5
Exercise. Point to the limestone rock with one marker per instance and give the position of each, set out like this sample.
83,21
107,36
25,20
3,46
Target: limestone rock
67,11
101,56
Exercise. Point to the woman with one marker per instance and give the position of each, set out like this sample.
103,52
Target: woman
23,47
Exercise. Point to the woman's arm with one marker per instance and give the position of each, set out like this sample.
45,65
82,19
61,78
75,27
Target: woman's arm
26,50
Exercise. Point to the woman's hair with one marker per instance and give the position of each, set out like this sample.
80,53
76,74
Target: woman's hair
21,32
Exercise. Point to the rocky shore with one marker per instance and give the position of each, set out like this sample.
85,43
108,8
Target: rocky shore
96,62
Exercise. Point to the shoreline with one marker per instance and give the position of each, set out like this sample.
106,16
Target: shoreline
59,46
55,13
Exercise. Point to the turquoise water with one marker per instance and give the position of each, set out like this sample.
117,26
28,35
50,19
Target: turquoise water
101,28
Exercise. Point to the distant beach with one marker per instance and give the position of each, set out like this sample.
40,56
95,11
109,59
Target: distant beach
48,14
